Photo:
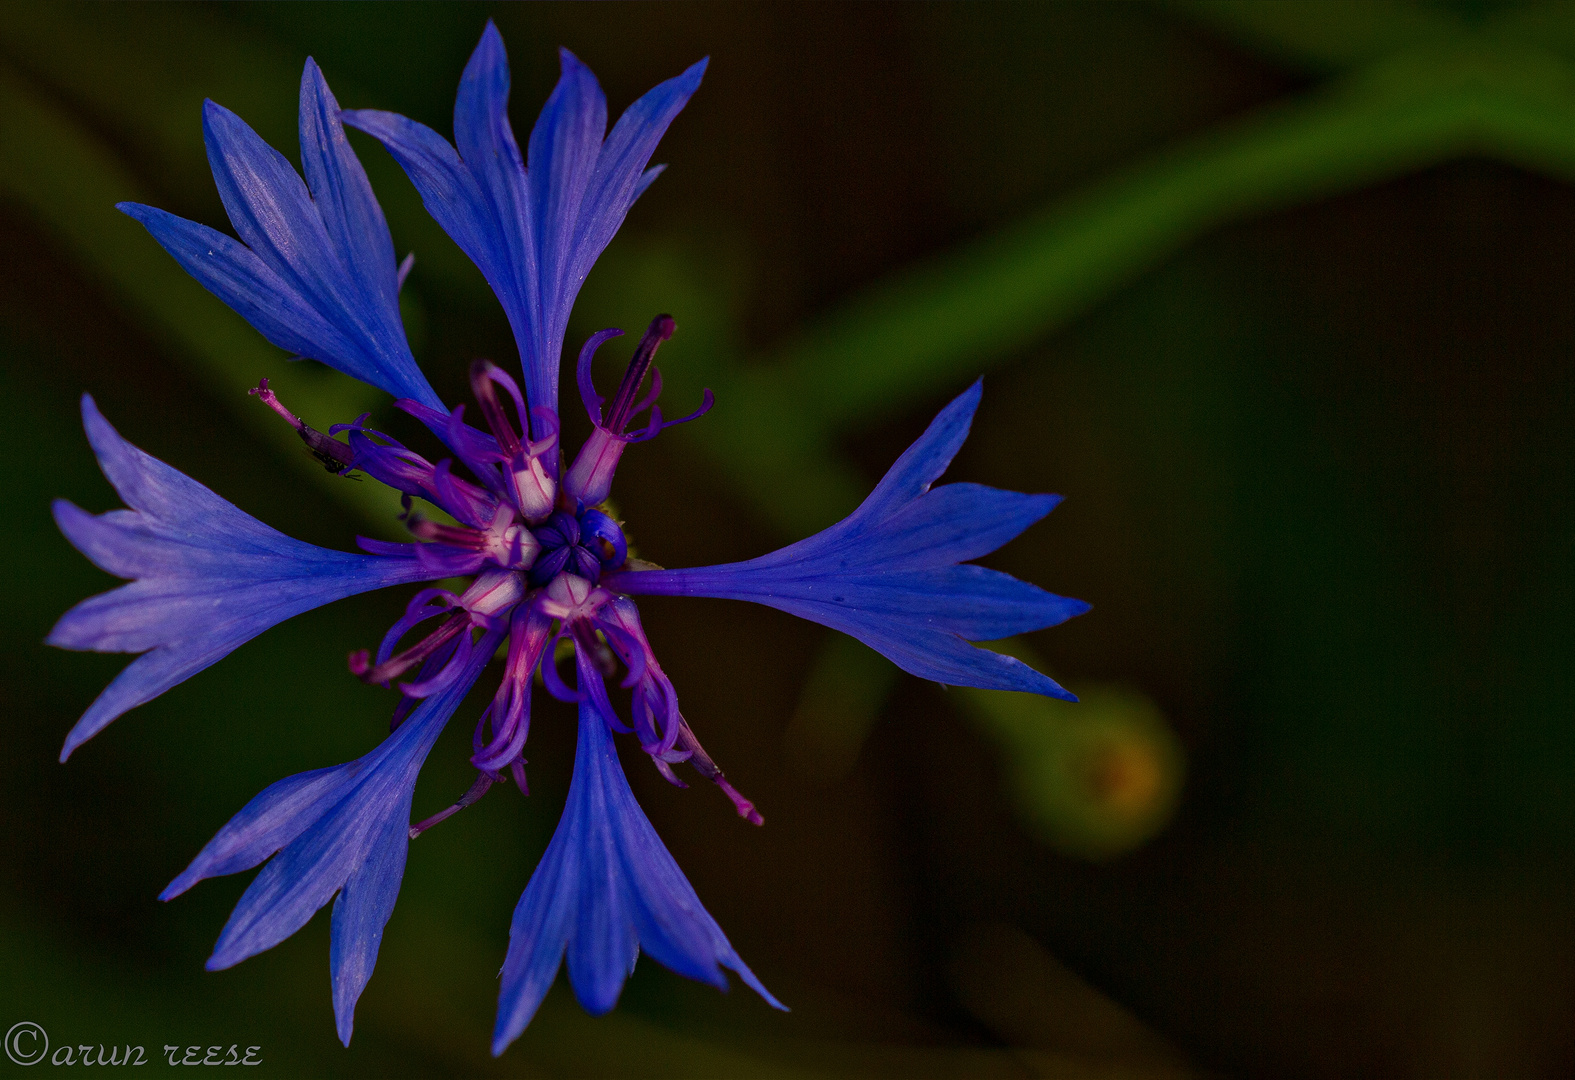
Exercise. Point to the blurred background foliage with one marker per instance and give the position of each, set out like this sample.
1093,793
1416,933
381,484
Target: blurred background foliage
1279,295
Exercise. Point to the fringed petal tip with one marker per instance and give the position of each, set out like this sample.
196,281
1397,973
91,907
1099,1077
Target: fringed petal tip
69,747
76,525
896,575
204,576
93,420
338,834
313,270
1077,607
570,65
606,890
490,47
1050,688
534,242
676,90
689,80
748,978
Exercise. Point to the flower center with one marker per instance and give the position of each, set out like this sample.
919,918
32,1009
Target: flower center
582,544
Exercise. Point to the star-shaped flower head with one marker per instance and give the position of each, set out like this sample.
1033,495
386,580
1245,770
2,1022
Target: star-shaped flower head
547,565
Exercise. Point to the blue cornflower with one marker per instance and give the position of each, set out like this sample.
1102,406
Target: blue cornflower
314,272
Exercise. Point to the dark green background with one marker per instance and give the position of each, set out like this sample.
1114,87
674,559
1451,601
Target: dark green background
1312,417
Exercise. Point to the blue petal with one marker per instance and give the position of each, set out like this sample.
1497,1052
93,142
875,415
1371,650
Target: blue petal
354,222
208,577
605,889
273,819
647,178
350,836
229,270
271,208
889,574
948,525
621,176
972,602
449,189
364,905
564,146
922,463
534,235
506,250
919,620
315,273
940,655
482,200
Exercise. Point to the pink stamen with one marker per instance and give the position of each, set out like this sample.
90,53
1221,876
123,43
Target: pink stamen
476,791
398,664
337,457
268,398
417,611
706,767
651,395
447,674
588,394
485,376
458,536
552,678
509,713
746,809
623,402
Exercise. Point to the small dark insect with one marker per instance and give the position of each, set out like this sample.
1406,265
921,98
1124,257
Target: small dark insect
332,454
338,468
